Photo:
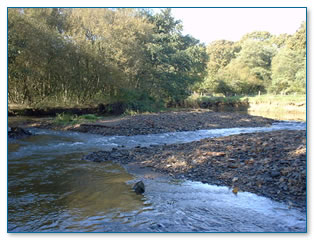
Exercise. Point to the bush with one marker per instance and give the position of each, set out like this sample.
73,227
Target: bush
138,101
67,118
90,117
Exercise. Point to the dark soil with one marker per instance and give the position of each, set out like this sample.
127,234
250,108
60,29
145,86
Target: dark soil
271,164
114,108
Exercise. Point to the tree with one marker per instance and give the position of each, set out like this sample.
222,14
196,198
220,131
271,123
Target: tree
259,36
289,65
288,72
298,40
82,56
250,71
178,61
220,54
33,47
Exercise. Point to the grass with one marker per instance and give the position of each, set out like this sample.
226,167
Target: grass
195,100
278,99
71,119
285,104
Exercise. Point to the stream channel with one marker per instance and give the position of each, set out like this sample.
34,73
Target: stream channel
51,189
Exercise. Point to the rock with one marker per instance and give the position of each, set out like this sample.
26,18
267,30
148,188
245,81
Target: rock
235,179
275,174
97,160
139,187
233,166
235,190
116,155
17,132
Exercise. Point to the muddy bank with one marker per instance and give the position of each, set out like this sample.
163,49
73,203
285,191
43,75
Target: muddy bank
161,123
103,109
269,164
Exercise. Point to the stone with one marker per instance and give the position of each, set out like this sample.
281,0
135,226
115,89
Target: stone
233,166
17,132
235,190
139,187
116,155
275,174
235,179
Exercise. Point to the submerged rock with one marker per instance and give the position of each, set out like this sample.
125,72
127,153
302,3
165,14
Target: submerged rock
17,132
139,187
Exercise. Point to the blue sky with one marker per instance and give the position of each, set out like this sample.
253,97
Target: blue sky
209,24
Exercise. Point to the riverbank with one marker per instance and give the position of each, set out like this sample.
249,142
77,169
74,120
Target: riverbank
271,164
280,107
154,123
290,102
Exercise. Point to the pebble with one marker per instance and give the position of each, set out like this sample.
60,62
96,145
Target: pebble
275,174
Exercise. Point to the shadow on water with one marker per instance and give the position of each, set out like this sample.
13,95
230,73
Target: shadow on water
51,189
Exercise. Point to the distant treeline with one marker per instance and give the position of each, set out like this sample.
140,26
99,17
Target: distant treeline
85,56
259,62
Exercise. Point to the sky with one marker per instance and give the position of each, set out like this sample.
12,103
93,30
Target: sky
209,24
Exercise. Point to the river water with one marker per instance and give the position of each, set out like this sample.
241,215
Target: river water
51,189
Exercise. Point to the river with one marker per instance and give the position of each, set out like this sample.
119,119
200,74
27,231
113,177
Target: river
51,189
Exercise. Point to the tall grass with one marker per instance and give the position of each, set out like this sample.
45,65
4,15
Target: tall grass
197,100
66,118
278,99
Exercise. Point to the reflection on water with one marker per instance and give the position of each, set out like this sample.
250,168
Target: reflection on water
50,189
56,192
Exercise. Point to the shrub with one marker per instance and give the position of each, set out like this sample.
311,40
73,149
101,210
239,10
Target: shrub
67,118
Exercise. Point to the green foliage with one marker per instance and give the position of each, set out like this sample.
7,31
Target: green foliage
289,72
178,62
258,63
289,65
90,117
138,101
67,118
92,55
250,72
220,54
258,36
73,56
298,40
198,101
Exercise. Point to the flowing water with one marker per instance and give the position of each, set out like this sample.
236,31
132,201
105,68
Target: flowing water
51,189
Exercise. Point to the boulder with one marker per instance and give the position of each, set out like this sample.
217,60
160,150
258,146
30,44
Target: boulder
139,187
17,132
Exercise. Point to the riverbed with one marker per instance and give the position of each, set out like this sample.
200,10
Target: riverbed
52,187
